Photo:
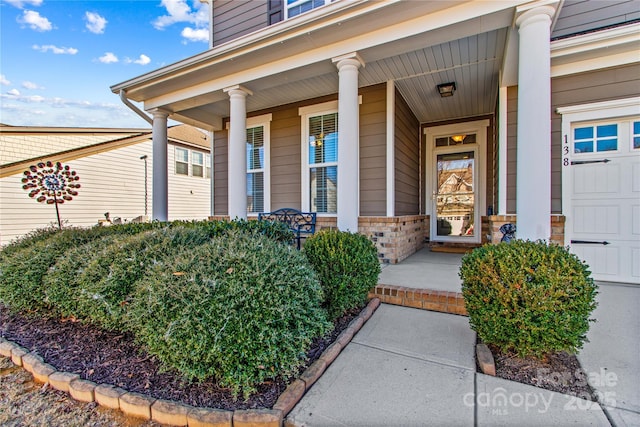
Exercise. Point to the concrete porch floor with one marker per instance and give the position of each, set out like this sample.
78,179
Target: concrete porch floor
425,270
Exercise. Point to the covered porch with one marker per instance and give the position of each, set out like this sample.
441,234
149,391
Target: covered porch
381,66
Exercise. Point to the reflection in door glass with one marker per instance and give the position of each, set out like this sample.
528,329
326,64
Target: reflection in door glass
455,199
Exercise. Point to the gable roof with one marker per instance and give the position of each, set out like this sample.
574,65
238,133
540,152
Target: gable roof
21,146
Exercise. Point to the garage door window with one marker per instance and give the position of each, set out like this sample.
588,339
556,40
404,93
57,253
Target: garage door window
636,135
601,138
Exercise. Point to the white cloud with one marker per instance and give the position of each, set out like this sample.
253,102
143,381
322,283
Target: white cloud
142,60
14,92
31,85
180,11
35,21
196,35
55,49
20,3
39,111
108,58
95,23
4,81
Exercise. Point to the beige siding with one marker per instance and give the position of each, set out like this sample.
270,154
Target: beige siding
112,181
595,86
235,18
407,160
512,146
189,196
373,151
286,162
286,155
220,174
578,16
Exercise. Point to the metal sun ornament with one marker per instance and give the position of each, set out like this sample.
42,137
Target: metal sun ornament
51,183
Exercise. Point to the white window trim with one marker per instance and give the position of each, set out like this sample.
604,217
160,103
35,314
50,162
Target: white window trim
176,161
328,107
306,112
593,112
298,2
264,121
193,163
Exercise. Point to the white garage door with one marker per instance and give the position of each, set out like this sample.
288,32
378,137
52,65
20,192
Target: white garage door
603,215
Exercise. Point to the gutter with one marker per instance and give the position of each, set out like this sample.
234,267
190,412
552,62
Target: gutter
135,109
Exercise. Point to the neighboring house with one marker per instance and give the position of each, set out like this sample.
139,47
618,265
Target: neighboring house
541,98
111,166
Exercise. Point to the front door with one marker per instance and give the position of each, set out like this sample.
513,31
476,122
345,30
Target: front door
455,179
455,196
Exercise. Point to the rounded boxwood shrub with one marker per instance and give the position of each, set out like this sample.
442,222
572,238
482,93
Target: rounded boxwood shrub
528,297
347,265
93,281
241,309
22,271
60,282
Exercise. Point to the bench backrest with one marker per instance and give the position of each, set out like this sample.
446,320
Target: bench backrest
298,222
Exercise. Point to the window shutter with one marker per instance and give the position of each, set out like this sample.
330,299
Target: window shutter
275,12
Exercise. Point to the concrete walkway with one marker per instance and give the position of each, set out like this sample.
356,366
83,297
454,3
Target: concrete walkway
410,367
425,270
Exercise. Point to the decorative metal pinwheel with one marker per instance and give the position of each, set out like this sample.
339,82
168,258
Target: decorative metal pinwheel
51,183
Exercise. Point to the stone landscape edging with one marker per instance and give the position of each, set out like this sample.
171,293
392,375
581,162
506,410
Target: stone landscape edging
173,413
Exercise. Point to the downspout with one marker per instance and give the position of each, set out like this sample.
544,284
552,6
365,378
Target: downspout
135,109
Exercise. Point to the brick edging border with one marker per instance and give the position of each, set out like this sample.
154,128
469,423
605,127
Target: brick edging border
426,299
179,414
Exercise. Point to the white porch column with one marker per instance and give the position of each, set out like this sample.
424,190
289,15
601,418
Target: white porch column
348,142
533,188
237,152
160,188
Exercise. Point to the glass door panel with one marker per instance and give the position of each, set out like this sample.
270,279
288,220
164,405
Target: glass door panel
455,197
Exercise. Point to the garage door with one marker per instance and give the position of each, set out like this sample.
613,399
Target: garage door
603,215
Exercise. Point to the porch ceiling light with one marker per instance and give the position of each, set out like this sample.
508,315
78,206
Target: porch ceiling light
458,138
447,89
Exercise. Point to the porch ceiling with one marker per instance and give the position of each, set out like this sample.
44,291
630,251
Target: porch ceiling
447,41
473,63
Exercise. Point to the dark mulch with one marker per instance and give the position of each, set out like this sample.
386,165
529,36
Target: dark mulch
560,372
113,358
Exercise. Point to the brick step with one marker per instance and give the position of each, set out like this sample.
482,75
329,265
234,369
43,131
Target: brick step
425,299
451,249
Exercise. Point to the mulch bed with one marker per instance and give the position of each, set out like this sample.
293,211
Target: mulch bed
560,372
113,358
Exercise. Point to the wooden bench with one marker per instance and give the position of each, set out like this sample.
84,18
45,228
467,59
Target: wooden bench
301,223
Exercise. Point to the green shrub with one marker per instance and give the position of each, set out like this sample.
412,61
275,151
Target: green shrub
274,230
22,271
347,265
105,286
528,297
241,309
60,283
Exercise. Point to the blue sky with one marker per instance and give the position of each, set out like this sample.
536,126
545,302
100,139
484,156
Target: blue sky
58,58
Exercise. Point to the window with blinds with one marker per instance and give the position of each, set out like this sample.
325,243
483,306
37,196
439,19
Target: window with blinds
182,161
197,163
323,163
255,169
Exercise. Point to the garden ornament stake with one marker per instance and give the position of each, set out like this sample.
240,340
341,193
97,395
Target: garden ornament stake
51,183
